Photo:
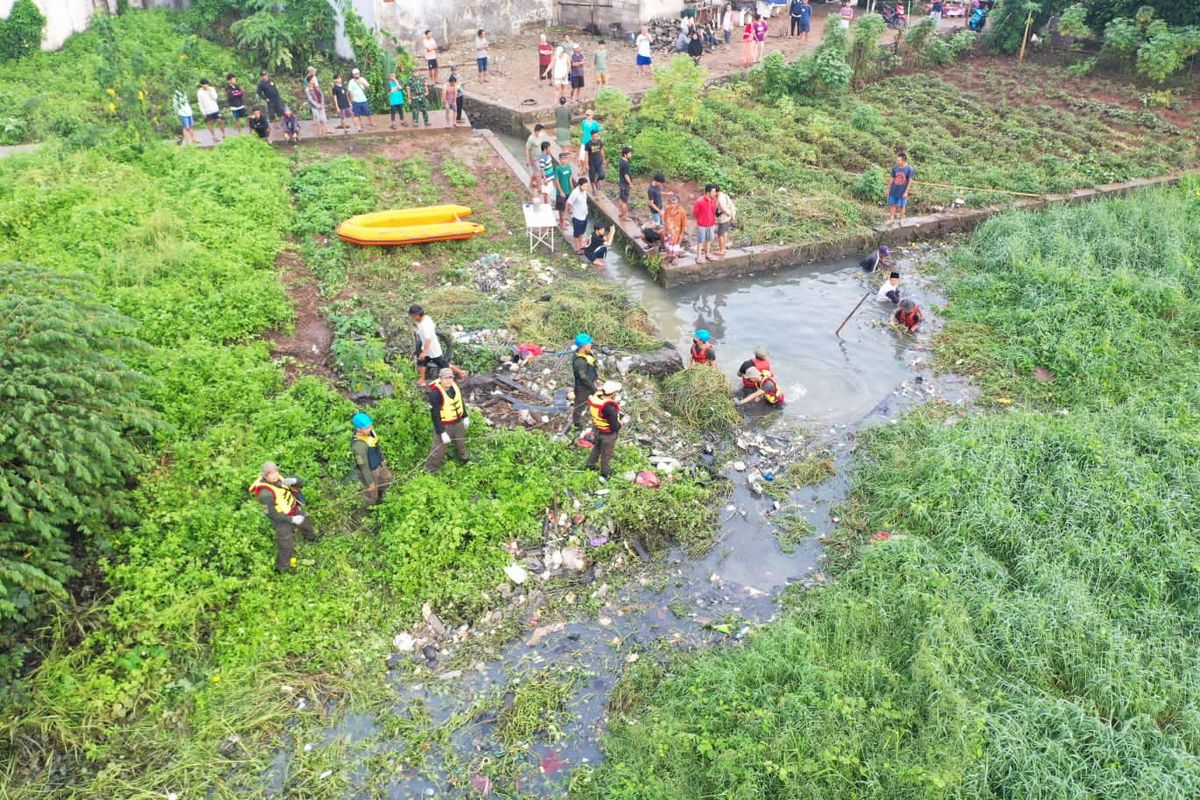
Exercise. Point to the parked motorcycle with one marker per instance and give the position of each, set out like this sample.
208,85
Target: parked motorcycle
893,14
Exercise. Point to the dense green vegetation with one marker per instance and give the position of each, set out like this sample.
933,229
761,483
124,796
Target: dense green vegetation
1029,627
21,31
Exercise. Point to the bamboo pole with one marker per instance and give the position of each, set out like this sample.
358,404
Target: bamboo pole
1025,36
852,312
978,189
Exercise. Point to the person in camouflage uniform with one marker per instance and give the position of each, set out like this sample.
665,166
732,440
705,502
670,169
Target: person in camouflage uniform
418,97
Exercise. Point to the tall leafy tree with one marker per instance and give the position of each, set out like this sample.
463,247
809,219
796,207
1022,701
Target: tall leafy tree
71,416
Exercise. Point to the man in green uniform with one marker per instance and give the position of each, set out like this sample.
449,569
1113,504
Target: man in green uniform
418,97
284,506
583,366
368,459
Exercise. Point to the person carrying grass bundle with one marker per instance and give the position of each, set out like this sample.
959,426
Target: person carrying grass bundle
605,410
284,506
908,315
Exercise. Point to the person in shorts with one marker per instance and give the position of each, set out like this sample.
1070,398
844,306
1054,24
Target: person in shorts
235,98
342,100
562,188
429,46
183,110
704,211
600,63
481,55
546,171
576,72
316,102
210,109
644,59
654,198
624,181
578,205
897,196
427,347
596,168
357,89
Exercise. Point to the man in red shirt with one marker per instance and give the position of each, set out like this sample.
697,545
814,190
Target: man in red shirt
705,214
545,55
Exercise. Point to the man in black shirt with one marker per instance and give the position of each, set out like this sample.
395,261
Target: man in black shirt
595,159
606,420
876,261
624,181
450,420
597,248
586,376
236,99
655,197
343,103
270,94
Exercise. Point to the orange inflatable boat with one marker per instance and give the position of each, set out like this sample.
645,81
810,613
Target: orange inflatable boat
410,226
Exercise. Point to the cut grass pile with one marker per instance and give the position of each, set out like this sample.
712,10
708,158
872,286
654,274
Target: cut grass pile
701,398
1029,628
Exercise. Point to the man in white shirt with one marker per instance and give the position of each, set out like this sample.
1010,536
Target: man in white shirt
481,55
427,347
206,98
577,204
644,59
889,292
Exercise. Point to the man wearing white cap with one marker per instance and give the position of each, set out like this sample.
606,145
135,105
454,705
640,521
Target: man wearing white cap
358,98
606,420
450,420
284,506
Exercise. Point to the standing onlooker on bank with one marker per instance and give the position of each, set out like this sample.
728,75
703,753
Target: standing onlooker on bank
460,98
269,92
726,216
805,19
342,101
654,198
624,181
597,169
210,109
644,60
576,72
183,110
563,184
704,211
236,99
847,15
316,102
577,203
897,196
481,55
794,17
747,45
727,24
450,101
935,13
396,100
358,98
429,46
561,71
533,146
589,127
418,97
545,53
562,122
600,63
760,29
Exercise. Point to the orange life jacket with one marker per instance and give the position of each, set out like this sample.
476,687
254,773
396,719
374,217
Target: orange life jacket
596,405
700,351
771,395
909,318
763,366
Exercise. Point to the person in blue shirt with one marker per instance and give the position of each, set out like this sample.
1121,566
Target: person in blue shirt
898,189
805,19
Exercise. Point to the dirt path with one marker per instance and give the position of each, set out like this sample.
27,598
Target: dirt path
309,346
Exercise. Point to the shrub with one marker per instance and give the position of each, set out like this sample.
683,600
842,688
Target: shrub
675,152
72,416
864,49
677,94
677,512
613,106
870,186
21,33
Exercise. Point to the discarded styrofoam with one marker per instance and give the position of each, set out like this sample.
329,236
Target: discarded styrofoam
516,573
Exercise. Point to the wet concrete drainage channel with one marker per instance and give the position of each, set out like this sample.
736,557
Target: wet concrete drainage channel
835,386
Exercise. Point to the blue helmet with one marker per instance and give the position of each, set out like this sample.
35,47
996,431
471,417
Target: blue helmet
703,335
361,421
582,340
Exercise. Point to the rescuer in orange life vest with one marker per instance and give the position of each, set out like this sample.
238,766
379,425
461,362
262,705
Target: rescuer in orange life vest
450,420
605,411
765,386
284,506
760,362
703,352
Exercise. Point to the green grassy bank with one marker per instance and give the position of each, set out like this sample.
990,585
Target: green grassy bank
1029,630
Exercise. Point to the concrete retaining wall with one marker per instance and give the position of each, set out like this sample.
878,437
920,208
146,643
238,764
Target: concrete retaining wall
768,258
